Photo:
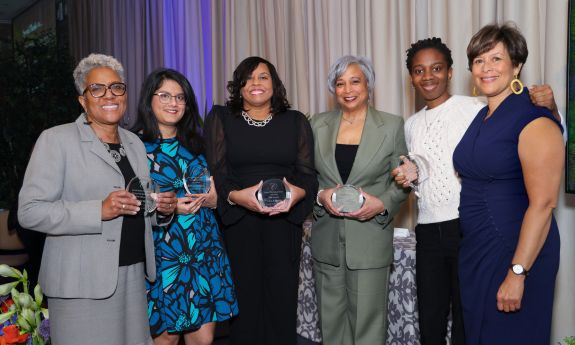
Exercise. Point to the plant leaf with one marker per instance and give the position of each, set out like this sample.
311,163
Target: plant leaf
6,288
15,295
38,295
45,313
23,324
30,317
9,272
25,300
6,316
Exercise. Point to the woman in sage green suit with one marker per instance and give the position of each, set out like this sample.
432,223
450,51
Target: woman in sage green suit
352,252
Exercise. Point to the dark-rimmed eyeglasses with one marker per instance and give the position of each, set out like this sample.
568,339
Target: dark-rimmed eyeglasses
166,98
99,90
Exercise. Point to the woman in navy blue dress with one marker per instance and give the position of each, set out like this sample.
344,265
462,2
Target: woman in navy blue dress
510,162
193,287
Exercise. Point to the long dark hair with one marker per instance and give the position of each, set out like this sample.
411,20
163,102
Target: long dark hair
187,129
279,102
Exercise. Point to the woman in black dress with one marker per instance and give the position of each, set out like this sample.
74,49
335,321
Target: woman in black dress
251,139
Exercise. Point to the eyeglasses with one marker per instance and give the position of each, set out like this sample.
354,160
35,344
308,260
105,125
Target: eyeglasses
166,98
99,90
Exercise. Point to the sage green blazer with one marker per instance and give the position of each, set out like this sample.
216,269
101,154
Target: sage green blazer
368,244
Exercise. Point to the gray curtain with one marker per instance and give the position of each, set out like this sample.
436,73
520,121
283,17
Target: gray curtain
124,29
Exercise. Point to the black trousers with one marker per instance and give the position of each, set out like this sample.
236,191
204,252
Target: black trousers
264,255
438,282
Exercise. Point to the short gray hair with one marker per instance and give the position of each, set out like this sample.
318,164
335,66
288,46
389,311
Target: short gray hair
340,65
94,61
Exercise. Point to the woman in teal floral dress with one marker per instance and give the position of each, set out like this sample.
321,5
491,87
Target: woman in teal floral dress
193,287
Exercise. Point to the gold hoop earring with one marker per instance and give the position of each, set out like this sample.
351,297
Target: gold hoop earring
516,86
474,91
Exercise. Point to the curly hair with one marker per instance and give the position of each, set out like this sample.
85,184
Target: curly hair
94,61
279,102
432,42
188,129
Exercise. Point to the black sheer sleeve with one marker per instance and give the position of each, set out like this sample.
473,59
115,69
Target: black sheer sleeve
305,175
224,179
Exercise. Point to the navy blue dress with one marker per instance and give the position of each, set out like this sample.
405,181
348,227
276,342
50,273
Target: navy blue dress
194,281
493,203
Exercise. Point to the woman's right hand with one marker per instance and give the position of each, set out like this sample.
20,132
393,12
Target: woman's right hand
324,198
406,173
247,198
190,204
119,203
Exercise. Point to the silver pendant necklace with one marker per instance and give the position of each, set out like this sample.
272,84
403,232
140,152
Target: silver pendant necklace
116,155
256,123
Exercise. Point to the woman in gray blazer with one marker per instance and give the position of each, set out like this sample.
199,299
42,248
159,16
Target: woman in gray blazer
99,243
352,252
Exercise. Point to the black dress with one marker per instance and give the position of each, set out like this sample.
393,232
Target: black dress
264,251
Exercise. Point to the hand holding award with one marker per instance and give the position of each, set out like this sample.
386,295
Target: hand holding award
414,169
196,180
347,198
272,192
146,191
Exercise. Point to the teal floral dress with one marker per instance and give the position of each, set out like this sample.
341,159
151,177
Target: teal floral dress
193,283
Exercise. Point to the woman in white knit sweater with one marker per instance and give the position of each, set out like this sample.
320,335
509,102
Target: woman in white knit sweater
434,132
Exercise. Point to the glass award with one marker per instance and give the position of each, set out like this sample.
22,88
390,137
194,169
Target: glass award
347,198
272,192
146,191
415,168
196,180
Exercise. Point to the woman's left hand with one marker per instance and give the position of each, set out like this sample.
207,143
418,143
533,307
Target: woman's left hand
406,173
166,202
371,208
285,206
510,293
211,200
542,96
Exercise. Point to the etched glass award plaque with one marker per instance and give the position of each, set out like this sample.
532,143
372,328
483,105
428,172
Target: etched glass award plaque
347,198
196,180
146,191
272,192
415,168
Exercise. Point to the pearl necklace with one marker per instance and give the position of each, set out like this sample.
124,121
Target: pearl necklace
256,123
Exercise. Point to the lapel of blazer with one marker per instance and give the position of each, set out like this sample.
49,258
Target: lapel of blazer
372,138
328,134
87,134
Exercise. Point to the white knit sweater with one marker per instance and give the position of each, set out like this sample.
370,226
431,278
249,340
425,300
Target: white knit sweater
434,134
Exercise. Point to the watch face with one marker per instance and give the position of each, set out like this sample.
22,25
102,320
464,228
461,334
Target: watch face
518,269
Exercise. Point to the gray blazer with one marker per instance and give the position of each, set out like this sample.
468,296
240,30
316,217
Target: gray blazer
368,244
69,174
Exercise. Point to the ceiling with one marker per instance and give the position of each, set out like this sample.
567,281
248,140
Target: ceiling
11,8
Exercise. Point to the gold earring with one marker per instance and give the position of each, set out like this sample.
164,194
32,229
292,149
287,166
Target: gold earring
516,86
474,91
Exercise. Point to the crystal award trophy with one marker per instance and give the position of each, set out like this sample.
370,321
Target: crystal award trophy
273,191
146,191
415,168
196,180
347,198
